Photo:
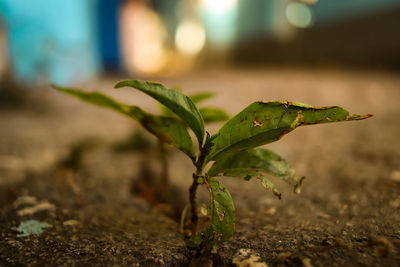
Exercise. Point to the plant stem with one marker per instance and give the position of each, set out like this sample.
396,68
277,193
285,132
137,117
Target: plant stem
193,205
199,163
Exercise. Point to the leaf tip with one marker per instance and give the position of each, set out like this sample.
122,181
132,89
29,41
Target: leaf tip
297,187
120,84
58,88
358,117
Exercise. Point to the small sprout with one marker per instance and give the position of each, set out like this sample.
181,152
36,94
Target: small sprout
73,160
232,150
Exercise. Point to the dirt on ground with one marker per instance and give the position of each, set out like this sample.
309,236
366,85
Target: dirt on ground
95,212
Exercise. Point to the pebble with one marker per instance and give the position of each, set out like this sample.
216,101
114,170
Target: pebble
306,262
71,223
25,200
247,258
42,206
395,175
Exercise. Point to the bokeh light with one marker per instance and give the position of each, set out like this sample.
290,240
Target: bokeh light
309,2
219,6
142,39
220,21
190,37
299,15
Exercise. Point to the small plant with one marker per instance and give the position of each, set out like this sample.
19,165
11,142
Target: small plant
68,166
209,114
137,141
231,150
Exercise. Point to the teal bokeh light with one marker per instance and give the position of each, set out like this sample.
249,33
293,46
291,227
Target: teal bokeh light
299,15
221,25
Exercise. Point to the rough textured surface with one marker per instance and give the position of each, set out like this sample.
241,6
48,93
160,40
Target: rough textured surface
347,213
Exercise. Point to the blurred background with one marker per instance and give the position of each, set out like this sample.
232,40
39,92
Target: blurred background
66,42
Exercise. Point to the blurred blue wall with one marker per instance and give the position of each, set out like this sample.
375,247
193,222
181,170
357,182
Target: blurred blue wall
52,41
108,11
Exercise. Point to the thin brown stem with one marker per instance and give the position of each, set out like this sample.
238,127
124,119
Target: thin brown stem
193,205
199,163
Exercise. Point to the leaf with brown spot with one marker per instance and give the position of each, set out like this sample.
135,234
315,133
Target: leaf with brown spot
265,122
222,215
254,163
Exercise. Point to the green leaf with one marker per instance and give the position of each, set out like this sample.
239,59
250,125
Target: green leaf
265,122
167,129
179,103
211,114
200,97
255,162
248,173
167,112
222,213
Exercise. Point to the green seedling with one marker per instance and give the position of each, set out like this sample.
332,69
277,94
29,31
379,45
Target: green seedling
74,159
209,115
137,141
72,163
230,152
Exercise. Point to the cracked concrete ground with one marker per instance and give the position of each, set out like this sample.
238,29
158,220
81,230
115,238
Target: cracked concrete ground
346,215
